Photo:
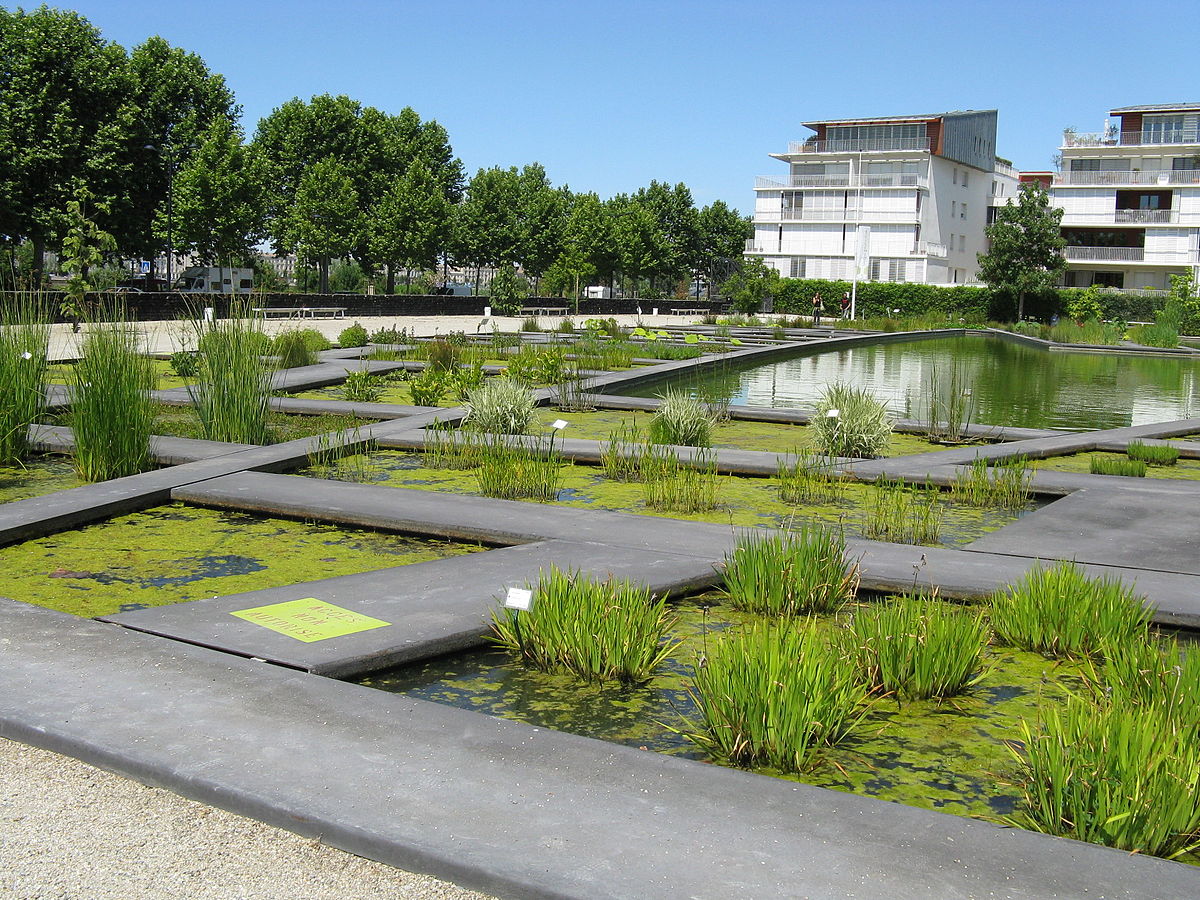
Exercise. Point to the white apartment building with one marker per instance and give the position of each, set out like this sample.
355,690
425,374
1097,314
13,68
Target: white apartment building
895,198
1130,197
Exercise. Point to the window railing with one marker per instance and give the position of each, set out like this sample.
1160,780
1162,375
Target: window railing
1106,254
887,179
878,145
1132,138
1165,176
840,214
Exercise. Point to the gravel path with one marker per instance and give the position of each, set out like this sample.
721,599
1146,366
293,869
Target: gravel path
69,831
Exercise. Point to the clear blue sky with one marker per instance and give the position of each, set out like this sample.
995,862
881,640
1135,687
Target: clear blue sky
609,95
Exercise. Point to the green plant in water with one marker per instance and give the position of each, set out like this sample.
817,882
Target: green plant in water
442,354
534,365
1122,776
1160,674
951,405
362,387
467,378
292,350
903,514
1116,465
500,406
511,471
24,346
572,391
849,422
808,477
1152,454
596,630
916,647
1060,611
681,420
447,447
429,387
622,454
232,393
673,485
1005,484
112,415
342,456
773,694
790,574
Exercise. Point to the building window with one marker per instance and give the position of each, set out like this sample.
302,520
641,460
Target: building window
956,176
965,174
1185,163
1162,129
797,267
962,243
953,208
1100,165
963,211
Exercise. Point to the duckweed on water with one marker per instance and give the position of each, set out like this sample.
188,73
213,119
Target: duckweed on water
1184,469
37,477
178,553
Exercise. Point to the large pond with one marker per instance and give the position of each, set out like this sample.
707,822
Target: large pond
1011,384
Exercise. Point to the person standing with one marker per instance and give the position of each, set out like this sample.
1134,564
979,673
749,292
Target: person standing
846,305
817,309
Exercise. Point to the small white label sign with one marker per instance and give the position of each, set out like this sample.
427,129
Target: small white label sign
560,424
518,598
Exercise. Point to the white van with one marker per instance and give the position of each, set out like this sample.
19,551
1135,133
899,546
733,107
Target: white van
215,280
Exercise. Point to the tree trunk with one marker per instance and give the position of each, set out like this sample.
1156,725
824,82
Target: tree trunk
39,263
1021,306
391,279
323,283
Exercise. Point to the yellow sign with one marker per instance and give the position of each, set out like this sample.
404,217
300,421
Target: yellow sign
309,619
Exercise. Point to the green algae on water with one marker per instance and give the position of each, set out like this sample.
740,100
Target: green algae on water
1183,470
37,477
177,553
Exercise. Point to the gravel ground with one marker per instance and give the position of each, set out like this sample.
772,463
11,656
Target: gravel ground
69,831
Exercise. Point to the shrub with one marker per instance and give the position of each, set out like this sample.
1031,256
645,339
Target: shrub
361,387
112,415
772,694
24,345
790,574
682,420
918,647
391,335
293,350
185,364
500,406
429,387
1116,465
353,336
850,422
596,630
1152,454
1060,611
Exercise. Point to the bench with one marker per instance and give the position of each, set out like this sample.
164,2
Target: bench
544,310
301,312
691,311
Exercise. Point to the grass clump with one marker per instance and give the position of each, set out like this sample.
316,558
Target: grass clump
353,336
1124,776
447,447
535,365
232,393
362,387
790,574
342,456
1005,484
622,454
513,472
292,350
1152,454
112,415
917,647
596,630
1115,465
500,406
808,478
681,420
774,694
850,422
1061,612
672,485
24,346
1159,674
903,514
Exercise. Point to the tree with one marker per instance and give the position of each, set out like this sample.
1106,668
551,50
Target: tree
84,246
722,238
645,249
408,227
1025,247
752,283
220,197
675,213
324,221
542,214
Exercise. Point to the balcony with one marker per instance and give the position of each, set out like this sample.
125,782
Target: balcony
1170,176
1006,169
786,182
1105,254
882,145
1122,217
929,248
836,215
1132,138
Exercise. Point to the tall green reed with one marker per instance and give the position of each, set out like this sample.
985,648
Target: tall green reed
903,514
682,420
511,471
809,477
24,349
1005,484
1152,454
803,572
672,485
232,394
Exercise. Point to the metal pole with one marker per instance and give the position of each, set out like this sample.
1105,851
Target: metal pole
170,215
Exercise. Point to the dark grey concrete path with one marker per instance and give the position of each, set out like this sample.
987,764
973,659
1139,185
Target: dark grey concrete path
499,806
430,608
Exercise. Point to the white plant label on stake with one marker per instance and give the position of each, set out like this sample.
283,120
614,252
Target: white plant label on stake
26,355
833,414
559,424
518,598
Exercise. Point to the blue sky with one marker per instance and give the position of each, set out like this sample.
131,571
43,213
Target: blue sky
608,96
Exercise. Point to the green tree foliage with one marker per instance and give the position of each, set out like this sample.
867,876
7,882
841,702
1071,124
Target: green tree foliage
542,215
487,223
751,284
1025,247
722,235
507,291
409,226
84,246
324,220
644,247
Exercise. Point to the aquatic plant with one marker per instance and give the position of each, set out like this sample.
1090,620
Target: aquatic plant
611,630
1123,776
342,456
510,471
533,365
531,324
232,394
362,387
1060,611
353,336
429,386
185,364
441,353
951,404
1159,674
500,406
24,346
808,477
112,415
915,647
448,447
292,350
773,694
672,485
622,454
1116,465
1005,483
1152,454
681,419
594,353
571,393
803,572
392,335
849,422
903,513
467,378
